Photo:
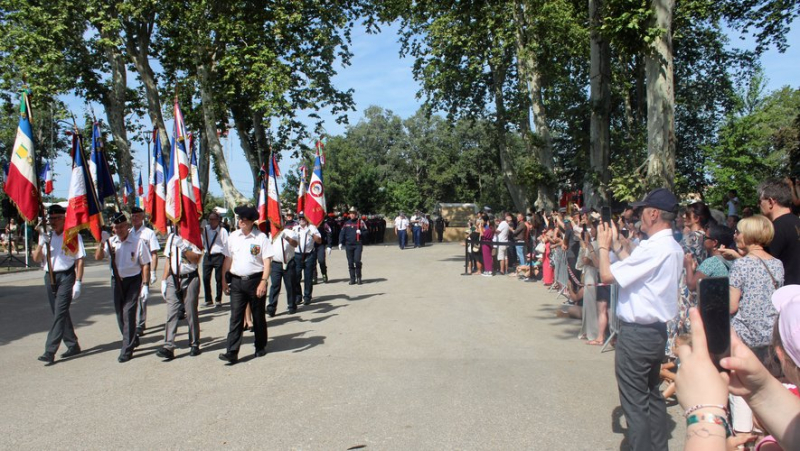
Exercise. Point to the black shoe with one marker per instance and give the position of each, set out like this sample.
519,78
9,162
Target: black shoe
307,302
358,281
46,358
324,278
73,351
314,281
165,353
229,357
271,314
219,304
261,352
292,311
352,282
209,304
124,358
182,317
195,351
139,331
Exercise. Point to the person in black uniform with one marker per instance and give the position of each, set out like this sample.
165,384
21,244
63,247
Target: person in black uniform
326,231
353,231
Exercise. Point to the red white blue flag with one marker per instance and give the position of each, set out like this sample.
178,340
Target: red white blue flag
83,210
273,200
301,190
98,167
195,172
180,205
262,206
157,191
21,184
315,200
47,176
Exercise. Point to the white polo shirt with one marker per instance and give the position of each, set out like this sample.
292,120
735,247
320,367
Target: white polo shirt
176,260
401,223
129,255
147,235
287,255
60,260
648,280
305,238
248,252
217,238
502,231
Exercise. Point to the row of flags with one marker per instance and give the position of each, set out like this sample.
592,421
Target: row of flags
173,192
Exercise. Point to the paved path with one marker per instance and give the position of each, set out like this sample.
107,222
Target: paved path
419,357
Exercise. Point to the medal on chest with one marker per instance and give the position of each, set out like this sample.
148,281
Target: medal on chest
255,249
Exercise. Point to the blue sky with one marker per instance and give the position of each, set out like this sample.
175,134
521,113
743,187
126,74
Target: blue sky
380,77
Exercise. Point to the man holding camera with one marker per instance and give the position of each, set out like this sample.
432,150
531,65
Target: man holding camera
648,298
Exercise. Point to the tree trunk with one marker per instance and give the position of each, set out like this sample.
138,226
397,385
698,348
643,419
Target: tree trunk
231,194
531,82
600,102
114,103
506,161
661,102
242,119
203,165
137,42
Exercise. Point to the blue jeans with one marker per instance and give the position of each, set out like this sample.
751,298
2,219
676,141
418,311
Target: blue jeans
304,271
520,255
417,231
402,238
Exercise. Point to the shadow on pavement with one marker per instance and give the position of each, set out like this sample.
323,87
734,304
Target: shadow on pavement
295,342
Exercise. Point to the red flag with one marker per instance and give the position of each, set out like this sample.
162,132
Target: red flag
301,191
83,210
21,185
181,207
156,196
262,208
315,199
195,172
273,201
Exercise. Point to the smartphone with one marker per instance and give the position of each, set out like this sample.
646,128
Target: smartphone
605,213
714,304
625,232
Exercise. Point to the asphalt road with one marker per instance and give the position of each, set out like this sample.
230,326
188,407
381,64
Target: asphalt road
419,357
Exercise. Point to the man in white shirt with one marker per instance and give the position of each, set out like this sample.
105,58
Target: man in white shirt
283,269
180,286
130,272
305,258
648,298
67,267
502,247
215,244
148,236
249,261
416,228
401,229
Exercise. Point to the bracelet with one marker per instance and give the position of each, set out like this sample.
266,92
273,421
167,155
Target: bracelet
601,247
709,418
694,409
264,280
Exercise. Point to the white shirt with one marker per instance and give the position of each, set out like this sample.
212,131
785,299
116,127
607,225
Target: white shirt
733,207
248,252
176,260
129,255
648,280
416,221
502,231
401,223
147,235
218,237
305,238
288,250
60,260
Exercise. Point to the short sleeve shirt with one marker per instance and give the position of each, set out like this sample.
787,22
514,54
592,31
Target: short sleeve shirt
785,246
713,267
248,252
217,239
755,319
502,231
60,259
129,255
149,238
305,238
177,261
648,280
287,254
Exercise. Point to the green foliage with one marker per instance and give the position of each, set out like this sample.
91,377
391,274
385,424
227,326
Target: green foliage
627,184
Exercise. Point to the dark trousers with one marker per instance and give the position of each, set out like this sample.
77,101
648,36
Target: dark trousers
402,238
304,268
440,234
125,304
277,272
243,292
354,260
323,267
212,263
638,356
417,233
60,301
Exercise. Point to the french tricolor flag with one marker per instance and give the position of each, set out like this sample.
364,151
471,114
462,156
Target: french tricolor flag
273,200
181,207
156,191
48,178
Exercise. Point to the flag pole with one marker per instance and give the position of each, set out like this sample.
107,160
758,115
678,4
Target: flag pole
51,276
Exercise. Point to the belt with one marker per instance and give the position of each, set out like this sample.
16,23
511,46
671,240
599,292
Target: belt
256,275
66,271
188,275
656,325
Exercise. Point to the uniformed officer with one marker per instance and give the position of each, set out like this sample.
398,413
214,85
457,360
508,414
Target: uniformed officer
305,258
215,244
67,267
148,236
416,228
326,233
283,268
180,285
130,271
350,236
289,222
249,264
400,226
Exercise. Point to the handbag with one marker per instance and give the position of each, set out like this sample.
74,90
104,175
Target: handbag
540,248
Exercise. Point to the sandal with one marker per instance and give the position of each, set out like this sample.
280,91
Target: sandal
595,343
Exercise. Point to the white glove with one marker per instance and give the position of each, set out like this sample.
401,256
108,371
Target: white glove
164,289
329,251
340,247
104,237
145,293
358,232
153,278
76,291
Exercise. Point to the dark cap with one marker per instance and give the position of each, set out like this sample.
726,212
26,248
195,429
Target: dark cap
660,198
118,218
136,210
300,214
289,213
56,209
245,212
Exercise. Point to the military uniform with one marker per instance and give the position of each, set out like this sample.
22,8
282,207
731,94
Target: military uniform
215,244
283,269
353,231
305,260
326,233
148,237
